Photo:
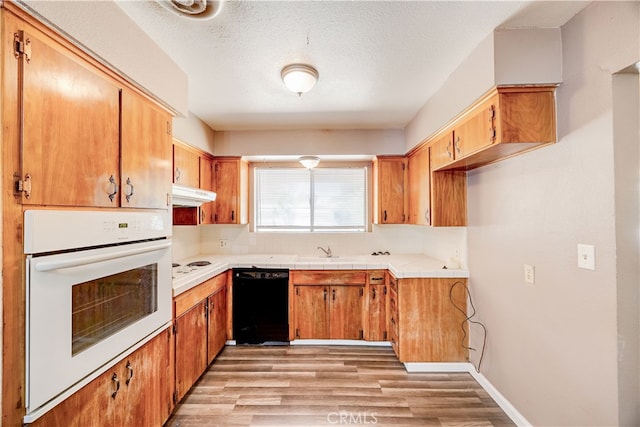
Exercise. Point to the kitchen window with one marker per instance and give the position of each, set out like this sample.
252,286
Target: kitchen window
310,200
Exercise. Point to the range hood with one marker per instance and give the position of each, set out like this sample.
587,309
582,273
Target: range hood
188,196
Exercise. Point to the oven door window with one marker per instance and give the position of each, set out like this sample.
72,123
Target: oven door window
102,307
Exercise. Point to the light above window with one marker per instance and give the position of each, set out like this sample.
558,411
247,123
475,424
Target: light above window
309,162
299,78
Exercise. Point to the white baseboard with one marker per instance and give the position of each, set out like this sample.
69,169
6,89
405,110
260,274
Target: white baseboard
504,404
342,342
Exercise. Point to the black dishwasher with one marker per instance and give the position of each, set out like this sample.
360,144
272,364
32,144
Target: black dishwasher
261,306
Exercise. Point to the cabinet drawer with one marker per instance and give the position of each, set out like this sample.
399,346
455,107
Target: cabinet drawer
376,277
328,277
188,299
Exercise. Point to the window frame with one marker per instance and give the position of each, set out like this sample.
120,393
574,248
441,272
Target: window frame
366,165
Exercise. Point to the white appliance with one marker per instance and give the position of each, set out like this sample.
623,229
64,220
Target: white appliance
188,196
98,283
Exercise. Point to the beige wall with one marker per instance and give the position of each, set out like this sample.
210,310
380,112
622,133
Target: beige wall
312,142
553,346
193,131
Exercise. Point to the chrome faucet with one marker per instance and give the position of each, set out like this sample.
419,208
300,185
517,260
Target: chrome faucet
327,251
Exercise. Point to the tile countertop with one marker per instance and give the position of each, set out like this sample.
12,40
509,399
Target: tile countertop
402,266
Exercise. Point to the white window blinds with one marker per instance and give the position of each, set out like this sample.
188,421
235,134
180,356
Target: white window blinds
321,199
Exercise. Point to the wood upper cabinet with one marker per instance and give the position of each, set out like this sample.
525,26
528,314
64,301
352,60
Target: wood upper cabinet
186,166
427,317
390,190
70,130
419,187
505,122
207,210
135,391
328,305
146,153
87,139
448,188
231,177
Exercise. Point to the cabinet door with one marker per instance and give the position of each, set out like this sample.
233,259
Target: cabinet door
377,313
186,167
191,348
441,151
206,183
477,130
390,176
145,385
71,129
217,334
146,153
135,391
346,313
419,189
312,311
227,185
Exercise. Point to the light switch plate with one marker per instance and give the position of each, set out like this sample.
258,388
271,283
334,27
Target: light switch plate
586,256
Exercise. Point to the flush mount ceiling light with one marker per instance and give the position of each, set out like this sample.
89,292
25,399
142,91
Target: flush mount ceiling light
193,9
299,78
309,162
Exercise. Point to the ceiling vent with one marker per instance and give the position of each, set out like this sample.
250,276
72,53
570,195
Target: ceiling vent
193,9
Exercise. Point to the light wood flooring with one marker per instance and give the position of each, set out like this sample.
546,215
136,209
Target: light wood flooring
330,385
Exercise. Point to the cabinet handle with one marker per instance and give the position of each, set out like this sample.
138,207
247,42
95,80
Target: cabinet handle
202,215
449,153
325,294
233,215
457,145
333,294
116,381
129,194
177,174
373,293
112,181
385,216
130,369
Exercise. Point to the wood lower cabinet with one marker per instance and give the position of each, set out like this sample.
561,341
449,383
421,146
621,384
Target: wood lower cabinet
328,305
135,391
191,347
217,323
200,330
377,313
425,324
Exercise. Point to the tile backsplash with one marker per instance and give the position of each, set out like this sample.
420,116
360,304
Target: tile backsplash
444,243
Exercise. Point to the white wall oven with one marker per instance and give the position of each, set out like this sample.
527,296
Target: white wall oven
98,283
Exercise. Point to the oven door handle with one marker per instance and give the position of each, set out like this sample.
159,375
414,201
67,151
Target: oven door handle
76,262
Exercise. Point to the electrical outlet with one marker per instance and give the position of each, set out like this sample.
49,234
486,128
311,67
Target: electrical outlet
529,273
224,243
586,257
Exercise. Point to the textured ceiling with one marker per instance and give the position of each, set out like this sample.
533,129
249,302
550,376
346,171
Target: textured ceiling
378,61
